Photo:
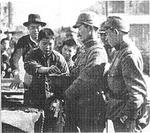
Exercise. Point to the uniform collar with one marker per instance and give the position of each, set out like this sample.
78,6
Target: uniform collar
121,45
89,43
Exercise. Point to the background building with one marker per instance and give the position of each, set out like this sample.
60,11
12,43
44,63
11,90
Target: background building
63,13
137,13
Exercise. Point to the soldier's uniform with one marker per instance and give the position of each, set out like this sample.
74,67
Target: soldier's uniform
127,86
86,107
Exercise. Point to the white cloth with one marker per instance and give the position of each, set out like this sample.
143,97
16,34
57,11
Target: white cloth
20,119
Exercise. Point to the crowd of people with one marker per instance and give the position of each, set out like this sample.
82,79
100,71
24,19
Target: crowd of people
105,75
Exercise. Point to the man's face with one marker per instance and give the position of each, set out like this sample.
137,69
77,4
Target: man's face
68,52
34,30
103,37
83,32
47,45
112,37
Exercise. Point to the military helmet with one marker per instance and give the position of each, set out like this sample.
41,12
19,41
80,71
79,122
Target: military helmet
87,18
118,23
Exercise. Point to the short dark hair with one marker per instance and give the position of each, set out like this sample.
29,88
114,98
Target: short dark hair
70,43
45,33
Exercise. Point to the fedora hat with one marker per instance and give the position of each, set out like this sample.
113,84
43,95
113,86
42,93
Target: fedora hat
34,19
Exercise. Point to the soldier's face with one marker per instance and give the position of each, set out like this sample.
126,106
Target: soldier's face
83,32
47,45
34,30
103,37
112,37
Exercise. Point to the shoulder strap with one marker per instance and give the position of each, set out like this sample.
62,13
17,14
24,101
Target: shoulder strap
120,55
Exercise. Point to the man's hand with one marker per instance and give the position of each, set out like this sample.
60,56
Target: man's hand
131,125
54,70
16,82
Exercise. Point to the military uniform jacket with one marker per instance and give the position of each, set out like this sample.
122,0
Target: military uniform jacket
88,73
24,45
126,83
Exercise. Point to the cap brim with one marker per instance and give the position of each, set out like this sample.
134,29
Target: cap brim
77,25
28,23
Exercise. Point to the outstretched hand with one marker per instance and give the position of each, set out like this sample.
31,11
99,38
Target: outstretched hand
16,82
131,125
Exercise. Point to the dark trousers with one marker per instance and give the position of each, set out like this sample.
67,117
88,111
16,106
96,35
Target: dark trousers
121,127
86,118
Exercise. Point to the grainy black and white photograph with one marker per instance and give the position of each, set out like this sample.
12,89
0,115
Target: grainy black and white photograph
75,66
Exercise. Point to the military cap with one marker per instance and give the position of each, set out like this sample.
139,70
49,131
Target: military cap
88,18
116,22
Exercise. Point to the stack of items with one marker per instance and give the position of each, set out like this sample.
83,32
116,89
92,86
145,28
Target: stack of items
11,97
15,116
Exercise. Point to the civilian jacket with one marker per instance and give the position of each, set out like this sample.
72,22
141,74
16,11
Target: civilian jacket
24,45
33,61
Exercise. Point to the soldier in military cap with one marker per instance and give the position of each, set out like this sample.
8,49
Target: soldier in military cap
84,102
127,88
110,50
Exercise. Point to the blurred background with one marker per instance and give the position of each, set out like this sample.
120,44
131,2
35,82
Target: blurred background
60,15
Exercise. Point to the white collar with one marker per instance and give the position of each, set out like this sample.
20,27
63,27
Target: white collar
33,40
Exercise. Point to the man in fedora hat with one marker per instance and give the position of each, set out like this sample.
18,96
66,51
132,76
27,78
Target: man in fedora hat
25,44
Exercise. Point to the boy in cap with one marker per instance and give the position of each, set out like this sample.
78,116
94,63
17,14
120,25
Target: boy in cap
84,103
25,44
127,88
